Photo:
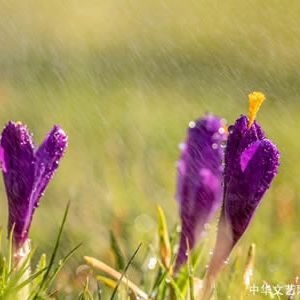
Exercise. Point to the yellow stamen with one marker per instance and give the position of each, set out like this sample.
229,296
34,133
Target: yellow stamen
18,123
255,101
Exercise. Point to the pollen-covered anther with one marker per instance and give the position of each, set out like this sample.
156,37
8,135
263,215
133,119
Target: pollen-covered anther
255,101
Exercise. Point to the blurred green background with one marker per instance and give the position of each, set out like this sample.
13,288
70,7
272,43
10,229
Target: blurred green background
124,78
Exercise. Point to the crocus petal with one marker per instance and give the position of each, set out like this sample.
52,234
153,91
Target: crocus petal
46,162
248,154
245,193
47,157
18,173
2,161
251,163
26,173
199,187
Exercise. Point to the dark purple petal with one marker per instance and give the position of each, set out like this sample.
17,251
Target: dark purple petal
240,137
17,160
199,187
251,163
244,193
47,157
26,173
248,154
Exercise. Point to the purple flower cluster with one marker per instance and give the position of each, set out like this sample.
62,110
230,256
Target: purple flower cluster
27,172
251,163
209,175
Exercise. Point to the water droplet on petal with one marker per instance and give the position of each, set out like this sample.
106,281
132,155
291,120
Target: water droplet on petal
192,124
182,146
223,145
221,130
206,226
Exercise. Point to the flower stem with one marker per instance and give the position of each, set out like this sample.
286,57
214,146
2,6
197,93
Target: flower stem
22,264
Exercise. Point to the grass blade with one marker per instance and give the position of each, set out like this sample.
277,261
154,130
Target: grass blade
99,265
10,250
117,251
99,292
54,252
190,271
61,265
125,270
29,279
164,240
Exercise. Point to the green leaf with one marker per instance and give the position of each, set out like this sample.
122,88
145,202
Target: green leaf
175,288
53,256
164,240
117,251
190,272
17,273
86,294
41,265
60,265
10,250
28,280
195,258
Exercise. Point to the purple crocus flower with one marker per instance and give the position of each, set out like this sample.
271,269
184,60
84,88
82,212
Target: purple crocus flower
251,163
27,172
199,186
